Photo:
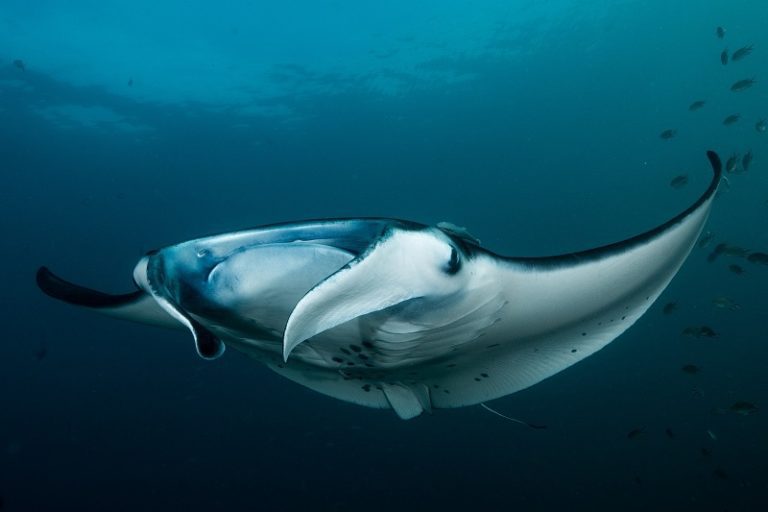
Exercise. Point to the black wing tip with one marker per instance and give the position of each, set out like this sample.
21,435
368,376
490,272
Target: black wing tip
573,258
715,162
51,284
60,289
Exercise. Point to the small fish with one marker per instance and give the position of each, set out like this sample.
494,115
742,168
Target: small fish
743,408
711,435
741,53
20,64
736,269
717,251
679,181
720,31
668,134
761,126
734,250
690,369
742,85
724,57
670,433
758,257
725,303
720,473
730,164
746,160
130,82
696,105
669,308
699,331
41,353
705,239
731,119
635,433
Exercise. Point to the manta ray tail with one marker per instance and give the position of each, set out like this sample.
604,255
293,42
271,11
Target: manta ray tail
521,422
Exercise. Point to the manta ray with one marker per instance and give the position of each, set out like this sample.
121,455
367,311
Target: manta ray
390,313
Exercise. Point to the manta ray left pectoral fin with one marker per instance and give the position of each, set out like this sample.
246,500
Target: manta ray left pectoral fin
137,306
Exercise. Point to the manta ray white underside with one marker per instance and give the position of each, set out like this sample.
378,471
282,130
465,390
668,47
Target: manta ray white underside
390,313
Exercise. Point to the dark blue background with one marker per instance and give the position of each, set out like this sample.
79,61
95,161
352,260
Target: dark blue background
543,138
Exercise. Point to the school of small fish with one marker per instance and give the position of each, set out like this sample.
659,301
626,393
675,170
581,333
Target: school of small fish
736,163
740,262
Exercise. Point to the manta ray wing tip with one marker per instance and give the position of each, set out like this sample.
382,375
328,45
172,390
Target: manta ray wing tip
714,160
44,279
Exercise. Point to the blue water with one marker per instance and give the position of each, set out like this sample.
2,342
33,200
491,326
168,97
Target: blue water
135,125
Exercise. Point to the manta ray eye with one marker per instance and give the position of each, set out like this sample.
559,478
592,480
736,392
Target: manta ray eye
454,263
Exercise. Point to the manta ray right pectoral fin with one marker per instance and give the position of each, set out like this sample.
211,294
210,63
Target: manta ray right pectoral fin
137,306
564,308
